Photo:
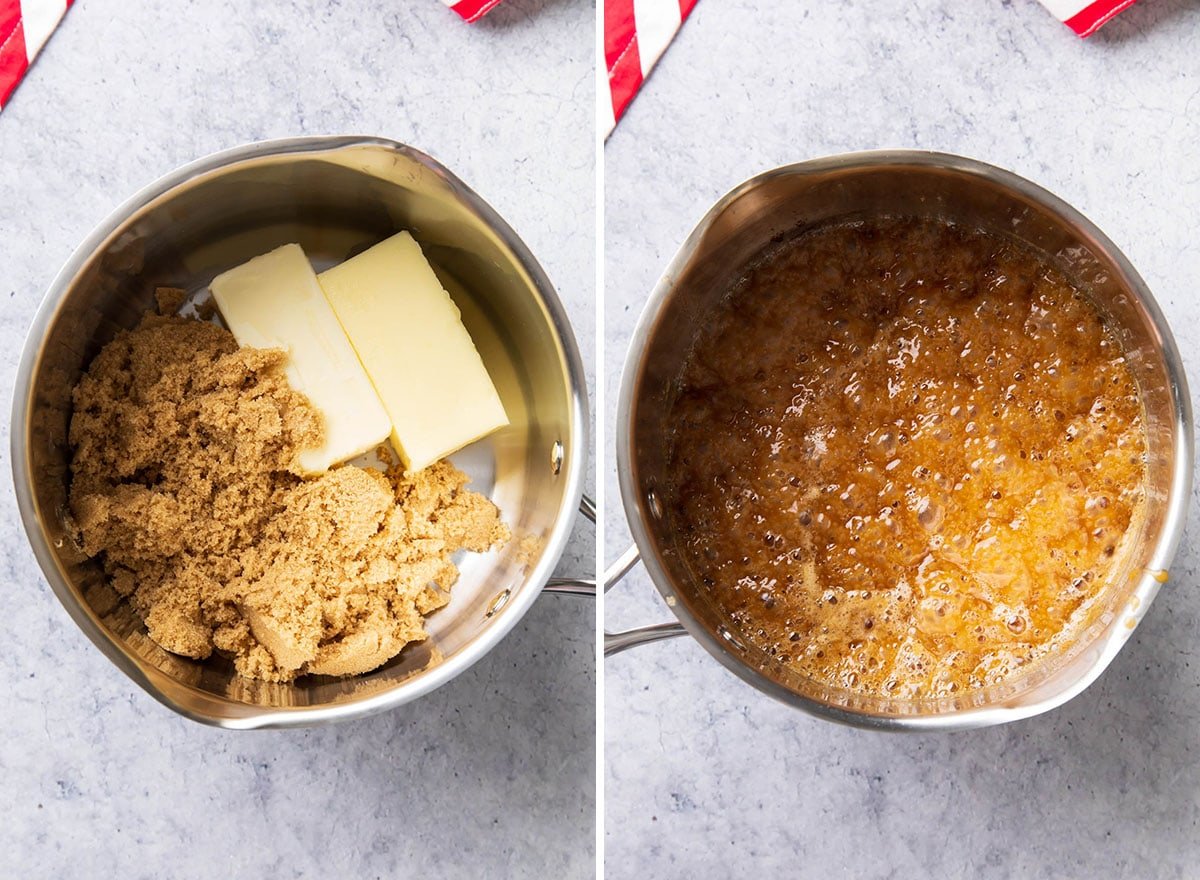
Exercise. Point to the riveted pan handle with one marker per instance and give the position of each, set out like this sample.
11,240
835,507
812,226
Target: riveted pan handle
616,642
568,586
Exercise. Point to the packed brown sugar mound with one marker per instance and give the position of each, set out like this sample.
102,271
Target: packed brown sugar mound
184,488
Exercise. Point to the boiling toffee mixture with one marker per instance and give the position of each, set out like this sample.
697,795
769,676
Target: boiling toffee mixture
906,457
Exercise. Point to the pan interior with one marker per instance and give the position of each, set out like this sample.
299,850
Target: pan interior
782,204
334,204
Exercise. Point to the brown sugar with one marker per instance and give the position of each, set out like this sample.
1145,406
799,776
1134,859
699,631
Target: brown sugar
170,299
185,488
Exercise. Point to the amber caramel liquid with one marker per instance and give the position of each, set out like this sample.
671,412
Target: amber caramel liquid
905,457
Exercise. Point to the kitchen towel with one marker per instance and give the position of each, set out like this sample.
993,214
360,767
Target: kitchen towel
24,27
637,32
1086,17
472,10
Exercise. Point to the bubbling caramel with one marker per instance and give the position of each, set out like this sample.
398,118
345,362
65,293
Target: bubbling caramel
906,457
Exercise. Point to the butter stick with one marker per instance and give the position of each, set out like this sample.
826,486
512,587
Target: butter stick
275,301
410,338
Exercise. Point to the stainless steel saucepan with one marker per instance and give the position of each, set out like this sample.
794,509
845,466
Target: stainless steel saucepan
907,183
335,196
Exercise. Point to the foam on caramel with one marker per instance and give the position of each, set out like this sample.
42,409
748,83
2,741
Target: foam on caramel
906,457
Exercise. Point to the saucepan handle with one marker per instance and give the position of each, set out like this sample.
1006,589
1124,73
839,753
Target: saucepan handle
567,586
615,642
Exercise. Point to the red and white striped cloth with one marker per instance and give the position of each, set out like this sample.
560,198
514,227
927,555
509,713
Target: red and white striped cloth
472,10
25,25
637,32
1085,17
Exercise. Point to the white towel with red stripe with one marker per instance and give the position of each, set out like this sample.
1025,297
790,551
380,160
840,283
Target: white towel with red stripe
1085,17
472,10
637,32
25,25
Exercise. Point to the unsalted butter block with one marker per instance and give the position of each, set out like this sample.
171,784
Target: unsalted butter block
410,337
275,301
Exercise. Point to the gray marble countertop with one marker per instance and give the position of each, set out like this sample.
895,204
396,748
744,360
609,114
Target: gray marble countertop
492,775
706,777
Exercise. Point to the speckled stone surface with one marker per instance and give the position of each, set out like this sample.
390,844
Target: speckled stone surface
492,775
704,776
